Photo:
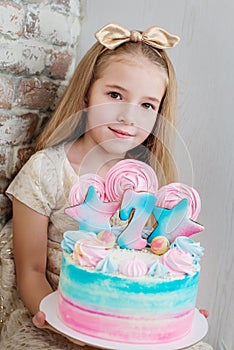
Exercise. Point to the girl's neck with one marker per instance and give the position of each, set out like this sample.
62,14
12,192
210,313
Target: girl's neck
84,158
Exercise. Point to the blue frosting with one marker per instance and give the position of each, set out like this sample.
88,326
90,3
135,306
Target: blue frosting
122,294
107,265
188,245
156,269
71,237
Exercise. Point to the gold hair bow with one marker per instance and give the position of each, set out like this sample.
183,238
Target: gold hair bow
112,35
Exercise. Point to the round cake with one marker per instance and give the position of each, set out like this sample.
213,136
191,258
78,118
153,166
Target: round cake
133,284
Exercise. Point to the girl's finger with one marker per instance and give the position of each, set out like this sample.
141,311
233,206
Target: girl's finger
39,319
205,313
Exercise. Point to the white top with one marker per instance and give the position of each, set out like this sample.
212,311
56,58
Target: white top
43,184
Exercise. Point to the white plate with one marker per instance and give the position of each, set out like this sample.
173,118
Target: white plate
49,307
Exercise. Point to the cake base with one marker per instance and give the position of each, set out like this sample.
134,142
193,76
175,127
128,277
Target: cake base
125,309
49,307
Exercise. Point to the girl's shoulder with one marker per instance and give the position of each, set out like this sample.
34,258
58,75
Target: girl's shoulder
38,183
53,154
45,167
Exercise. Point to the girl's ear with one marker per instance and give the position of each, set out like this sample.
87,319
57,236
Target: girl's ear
85,103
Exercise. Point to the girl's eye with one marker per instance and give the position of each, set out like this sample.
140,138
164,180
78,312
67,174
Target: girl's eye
148,106
115,95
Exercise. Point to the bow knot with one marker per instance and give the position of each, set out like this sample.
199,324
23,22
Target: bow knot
135,36
113,35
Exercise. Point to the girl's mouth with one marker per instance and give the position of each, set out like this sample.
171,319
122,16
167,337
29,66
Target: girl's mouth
121,133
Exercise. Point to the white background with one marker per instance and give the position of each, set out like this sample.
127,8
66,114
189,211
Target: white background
204,61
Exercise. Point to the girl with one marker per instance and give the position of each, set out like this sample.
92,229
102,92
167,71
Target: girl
120,103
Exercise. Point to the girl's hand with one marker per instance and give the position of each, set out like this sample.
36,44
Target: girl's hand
39,320
205,313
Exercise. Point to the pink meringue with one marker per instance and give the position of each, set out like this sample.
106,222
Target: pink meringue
133,268
178,262
89,251
170,195
107,237
130,174
80,188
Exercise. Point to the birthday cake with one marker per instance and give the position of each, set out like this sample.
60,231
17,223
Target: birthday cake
131,283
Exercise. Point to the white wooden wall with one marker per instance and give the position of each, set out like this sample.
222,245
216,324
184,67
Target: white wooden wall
204,61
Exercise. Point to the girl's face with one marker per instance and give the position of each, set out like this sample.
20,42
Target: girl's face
123,103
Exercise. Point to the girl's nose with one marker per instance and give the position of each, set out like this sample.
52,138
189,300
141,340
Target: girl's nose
127,114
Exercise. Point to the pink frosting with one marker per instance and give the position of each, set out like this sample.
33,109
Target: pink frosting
133,268
107,237
79,189
130,174
178,262
168,196
89,251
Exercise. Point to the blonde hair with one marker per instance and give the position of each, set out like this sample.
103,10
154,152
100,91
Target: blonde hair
156,150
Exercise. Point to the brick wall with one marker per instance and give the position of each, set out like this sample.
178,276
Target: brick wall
38,46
